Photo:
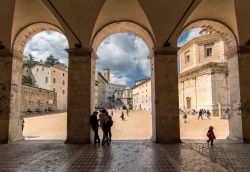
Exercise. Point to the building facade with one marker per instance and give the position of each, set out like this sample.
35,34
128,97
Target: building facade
203,74
141,93
53,78
127,98
101,97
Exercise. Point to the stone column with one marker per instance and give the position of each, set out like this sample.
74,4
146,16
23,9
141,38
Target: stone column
244,79
165,80
235,120
80,83
10,97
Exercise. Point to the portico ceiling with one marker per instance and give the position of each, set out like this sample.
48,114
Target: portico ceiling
164,19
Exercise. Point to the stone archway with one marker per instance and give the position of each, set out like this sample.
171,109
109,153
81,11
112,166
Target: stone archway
231,53
27,33
145,35
11,122
82,64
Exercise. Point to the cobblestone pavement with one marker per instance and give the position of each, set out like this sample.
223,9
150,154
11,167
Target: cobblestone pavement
234,157
48,156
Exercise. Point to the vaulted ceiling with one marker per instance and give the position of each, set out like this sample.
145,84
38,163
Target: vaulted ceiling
82,20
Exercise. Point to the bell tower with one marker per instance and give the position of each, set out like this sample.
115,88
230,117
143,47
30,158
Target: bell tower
106,73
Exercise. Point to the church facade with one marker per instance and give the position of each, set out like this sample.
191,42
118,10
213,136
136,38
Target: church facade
203,75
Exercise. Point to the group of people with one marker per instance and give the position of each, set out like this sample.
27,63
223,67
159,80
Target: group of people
202,112
105,121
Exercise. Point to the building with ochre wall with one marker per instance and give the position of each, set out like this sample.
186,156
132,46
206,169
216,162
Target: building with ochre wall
203,74
142,95
53,78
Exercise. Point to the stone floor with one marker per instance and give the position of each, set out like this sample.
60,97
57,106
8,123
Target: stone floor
123,156
137,126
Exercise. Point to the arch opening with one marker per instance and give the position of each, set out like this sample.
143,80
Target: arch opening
207,55
123,63
42,72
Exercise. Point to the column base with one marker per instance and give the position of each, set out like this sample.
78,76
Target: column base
77,141
168,141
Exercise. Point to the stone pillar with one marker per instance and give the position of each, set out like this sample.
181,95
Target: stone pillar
244,78
235,121
10,97
165,80
79,96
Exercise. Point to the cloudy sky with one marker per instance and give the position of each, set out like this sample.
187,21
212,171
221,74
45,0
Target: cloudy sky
46,43
187,36
124,53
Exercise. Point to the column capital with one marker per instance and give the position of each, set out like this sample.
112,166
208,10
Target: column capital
165,51
244,49
79,51
5,53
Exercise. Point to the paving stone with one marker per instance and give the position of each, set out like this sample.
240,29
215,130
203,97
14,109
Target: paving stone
138,156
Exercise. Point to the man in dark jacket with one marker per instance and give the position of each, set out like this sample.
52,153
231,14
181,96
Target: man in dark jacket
95,126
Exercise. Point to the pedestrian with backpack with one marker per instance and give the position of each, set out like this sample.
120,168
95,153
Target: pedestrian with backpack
109,125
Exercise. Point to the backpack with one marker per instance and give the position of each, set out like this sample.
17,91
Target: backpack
110,121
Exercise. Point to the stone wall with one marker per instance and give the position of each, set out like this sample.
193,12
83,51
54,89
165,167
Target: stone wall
34,98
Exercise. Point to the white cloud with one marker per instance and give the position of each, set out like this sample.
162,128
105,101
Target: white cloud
124,53
188,35
119,79
45,43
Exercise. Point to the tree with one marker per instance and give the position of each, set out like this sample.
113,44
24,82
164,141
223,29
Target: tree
29,61
51,61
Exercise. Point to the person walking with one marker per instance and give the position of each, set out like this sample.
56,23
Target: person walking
122,116
185,116
200,114
95,126
208,114
210,135
127,111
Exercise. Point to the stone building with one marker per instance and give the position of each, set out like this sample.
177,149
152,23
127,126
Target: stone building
203,78
101,87
142,95
53,78
37,99
127,98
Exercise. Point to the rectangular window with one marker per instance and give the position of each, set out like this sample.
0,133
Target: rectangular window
46,79
63,82
54,89
187,57
208,49
208,52
63,91
54,80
